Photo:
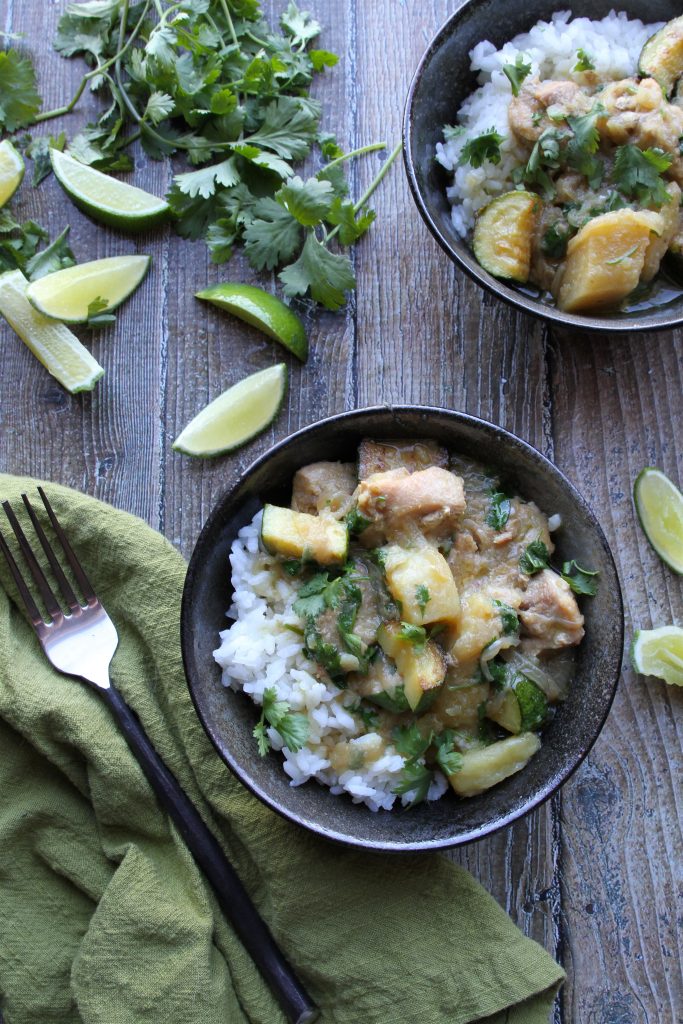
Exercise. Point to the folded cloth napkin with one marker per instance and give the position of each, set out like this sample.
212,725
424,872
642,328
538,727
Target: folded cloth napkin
104,917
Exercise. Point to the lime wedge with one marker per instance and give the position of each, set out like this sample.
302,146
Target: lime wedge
67,294
11,171
52,343
105,198
659,505
237,415
262,310
659,652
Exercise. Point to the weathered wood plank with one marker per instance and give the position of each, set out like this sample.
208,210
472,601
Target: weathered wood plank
616,406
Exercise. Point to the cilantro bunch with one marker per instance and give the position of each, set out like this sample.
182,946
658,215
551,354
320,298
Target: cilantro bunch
211,81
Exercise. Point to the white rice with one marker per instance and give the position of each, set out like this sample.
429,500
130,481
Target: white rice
613,44
260,650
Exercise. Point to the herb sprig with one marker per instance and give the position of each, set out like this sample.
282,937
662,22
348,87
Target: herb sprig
292,726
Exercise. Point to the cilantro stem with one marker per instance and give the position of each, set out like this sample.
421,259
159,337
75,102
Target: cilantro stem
47,115
231,27
372,148
371,187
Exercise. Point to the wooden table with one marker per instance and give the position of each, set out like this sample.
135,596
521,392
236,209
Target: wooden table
592,875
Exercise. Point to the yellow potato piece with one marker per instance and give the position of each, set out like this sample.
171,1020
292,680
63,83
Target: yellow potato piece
488,766
605,260
479,624
408,572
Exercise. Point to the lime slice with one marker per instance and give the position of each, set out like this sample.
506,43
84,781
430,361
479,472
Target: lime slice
659,505
659,652
67,294
105,198
237,415
11,171
52,343
262,310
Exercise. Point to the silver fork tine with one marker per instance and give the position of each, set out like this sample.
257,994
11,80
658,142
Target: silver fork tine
83,581
65,586
25,594
51,603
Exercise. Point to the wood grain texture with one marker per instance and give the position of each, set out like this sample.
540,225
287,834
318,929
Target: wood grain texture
595,874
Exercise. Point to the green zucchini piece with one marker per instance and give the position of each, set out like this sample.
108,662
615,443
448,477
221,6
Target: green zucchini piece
395,700
421,666
504,710
292,534
503,235
662,55
487,766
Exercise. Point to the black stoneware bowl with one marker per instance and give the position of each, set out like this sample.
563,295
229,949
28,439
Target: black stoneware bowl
229,718
440,85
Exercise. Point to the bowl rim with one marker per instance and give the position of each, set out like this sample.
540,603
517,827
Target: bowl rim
194,569
466,260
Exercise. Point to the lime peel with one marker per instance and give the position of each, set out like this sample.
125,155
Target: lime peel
68,294
51,342
659,505
107,199
263,310
659,652
235,416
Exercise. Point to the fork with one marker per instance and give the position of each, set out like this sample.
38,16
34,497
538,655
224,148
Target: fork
81,643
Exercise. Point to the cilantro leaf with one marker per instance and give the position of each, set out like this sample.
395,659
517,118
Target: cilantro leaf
409,741
56,256
535,558
261,737
555,239
499,510
415,635
321,59
19,99
300,25
368,716
355,522
272,236
325,274
159,106
205,181
451,131
508,618
311,600
516,73
482,148
583,61
289,128
415,777
351,227
582,147
582,581
292,726
448,758
307,201
422,597
96,315
637,174
220,237
39,152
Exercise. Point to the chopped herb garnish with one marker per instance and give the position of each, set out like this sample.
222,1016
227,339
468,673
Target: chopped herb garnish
409,741
292,566
555,239
368,716
416,635
311,600
582,581
583,61
508,618
356,522
499,510
422,597
482,148
545,156
417,777
638,173
96,316
516,73
451,132
448,758
583,145
534,558
292,726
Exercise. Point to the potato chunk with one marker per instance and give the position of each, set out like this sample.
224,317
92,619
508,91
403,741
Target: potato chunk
423,583
488,766
422,668
605,260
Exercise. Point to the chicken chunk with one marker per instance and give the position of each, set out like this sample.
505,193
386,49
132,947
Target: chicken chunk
637,113
549,612
324,487
527,112
430,500
380,456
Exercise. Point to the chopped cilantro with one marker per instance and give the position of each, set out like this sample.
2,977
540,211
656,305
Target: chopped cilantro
292,726
482,148
516,73
583,61
534,558
638,173
583,145
555,239
311,600
422,597
409,741
368,716
448,758
416,635
451,132
508,618
499,510
19,100
96,315
582,581
356,522
292,566
415,777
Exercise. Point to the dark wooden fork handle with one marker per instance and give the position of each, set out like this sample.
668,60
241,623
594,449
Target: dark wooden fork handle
230,892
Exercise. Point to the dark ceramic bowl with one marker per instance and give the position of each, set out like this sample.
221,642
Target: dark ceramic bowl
440,85
229,718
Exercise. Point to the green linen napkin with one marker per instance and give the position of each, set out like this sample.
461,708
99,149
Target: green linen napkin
105,919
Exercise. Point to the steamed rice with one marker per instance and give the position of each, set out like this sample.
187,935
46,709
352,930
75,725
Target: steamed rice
262,649
614,45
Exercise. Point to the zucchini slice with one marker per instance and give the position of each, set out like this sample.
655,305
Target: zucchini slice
320,539
662,55
421,667
487,766
503,235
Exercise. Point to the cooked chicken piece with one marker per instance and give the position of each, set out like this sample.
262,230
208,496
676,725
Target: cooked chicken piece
637,113
379,456
550,613
527,113
431,500
324,487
